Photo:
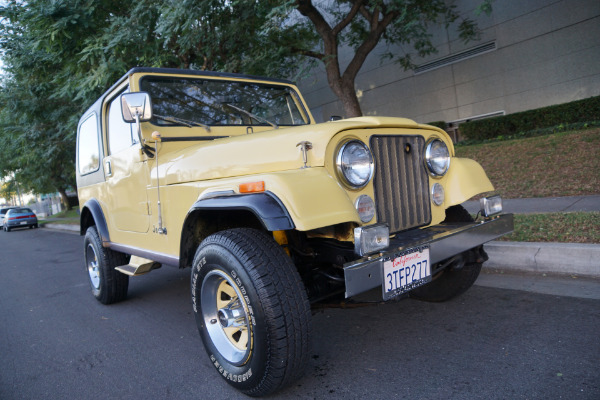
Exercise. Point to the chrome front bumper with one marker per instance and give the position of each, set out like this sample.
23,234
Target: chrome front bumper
444,241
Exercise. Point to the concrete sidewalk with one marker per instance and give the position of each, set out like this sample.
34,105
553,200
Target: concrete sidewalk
544,205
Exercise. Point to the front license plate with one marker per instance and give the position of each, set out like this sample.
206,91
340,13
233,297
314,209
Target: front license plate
405,271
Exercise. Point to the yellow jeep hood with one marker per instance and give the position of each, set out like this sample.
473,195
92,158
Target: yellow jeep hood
268,151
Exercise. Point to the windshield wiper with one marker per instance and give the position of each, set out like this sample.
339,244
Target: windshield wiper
256,117
183,122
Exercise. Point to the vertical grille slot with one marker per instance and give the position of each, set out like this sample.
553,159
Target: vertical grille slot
401,182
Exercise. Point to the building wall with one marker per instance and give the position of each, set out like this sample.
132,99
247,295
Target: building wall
546,52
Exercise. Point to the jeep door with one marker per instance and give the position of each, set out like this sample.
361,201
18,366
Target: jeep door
126,172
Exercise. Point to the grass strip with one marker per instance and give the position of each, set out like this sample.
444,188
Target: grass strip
68,217
573,227
562,164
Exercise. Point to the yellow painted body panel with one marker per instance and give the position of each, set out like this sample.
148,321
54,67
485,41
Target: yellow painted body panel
465,179
313,198
127,185
296,189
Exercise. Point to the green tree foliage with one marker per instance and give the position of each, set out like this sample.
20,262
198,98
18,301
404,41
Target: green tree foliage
46,85
8,190
59,56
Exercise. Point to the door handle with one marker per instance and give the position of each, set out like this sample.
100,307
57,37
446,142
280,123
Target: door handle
107,168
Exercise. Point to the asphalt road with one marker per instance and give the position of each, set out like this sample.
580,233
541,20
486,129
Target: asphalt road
57,341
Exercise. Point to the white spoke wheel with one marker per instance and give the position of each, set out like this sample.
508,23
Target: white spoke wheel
108,285
251,310
225,316
92,265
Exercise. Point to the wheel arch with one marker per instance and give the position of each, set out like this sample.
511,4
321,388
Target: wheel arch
263,211
92,214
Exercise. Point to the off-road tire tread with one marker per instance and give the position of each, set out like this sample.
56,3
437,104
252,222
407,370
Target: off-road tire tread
114,283
283,299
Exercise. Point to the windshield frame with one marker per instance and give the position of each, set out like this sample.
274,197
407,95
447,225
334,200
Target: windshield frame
287,90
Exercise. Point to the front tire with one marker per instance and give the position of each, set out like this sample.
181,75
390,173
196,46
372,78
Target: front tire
460,275
251,310
108,285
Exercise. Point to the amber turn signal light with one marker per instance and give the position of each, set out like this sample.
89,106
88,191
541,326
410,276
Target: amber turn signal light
252,187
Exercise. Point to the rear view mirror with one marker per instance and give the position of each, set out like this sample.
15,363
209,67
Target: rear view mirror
136,107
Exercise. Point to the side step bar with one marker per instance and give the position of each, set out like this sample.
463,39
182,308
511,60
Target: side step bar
138,266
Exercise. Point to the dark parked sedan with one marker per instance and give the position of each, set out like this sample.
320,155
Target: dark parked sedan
19,217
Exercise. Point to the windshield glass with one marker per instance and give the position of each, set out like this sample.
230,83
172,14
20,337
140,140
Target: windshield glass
20,211
192,101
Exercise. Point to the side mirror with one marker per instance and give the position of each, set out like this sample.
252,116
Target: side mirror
136,107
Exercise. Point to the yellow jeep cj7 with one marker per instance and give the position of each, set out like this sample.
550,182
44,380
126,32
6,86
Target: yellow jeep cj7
231,176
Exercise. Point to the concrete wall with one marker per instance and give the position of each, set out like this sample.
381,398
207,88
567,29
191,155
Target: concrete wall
546,52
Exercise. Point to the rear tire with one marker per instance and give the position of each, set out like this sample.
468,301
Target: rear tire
456,278
108,285
251,310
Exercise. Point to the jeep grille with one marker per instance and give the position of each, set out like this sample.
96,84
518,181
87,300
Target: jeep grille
401,182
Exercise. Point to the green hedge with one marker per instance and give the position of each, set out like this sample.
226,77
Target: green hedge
580,111
439,124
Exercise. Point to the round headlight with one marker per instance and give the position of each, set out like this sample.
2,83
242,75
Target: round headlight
437,157
355,164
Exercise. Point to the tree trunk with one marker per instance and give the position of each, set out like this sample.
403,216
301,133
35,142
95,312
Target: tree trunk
350,100
64,199
344,90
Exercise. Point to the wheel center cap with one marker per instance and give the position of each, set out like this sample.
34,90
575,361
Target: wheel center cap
226,317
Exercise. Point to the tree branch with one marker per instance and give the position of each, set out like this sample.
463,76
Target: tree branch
365,13
375,19
308,53
368,45
307,9
353,11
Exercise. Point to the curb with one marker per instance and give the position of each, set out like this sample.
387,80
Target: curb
555,258
62,227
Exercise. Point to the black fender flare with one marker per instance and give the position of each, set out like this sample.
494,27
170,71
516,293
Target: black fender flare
98,215
267,208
